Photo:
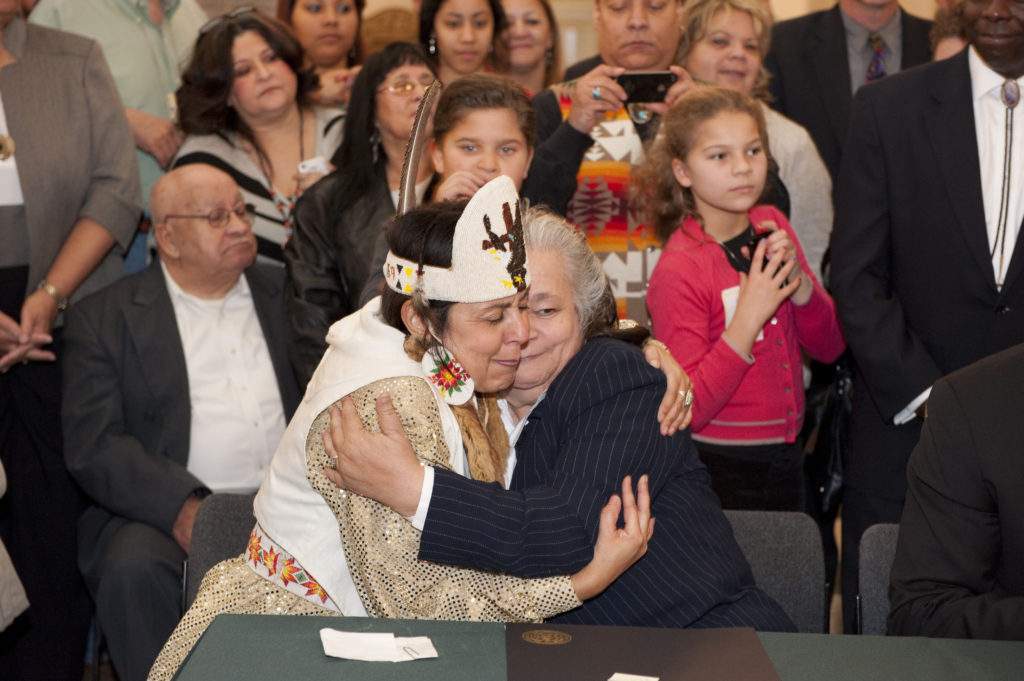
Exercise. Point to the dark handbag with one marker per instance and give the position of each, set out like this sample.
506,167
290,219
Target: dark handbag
824,464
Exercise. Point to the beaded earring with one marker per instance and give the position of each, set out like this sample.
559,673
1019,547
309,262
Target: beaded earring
446,374
432,45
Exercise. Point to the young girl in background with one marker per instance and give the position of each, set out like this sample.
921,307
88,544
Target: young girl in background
483,127
733,298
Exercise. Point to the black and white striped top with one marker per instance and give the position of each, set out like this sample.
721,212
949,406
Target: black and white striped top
224,153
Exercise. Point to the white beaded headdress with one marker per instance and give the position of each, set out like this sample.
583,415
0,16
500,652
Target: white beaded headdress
488,253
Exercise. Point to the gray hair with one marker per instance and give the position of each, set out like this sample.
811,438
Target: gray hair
545,231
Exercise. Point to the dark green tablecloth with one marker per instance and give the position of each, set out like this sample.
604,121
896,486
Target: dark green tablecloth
246,647
250,647
820,657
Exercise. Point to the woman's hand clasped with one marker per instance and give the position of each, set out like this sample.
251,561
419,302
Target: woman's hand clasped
617,548
25,342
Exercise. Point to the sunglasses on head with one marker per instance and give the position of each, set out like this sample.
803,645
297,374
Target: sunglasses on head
229,16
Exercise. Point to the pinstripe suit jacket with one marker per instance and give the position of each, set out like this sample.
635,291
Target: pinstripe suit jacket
595,425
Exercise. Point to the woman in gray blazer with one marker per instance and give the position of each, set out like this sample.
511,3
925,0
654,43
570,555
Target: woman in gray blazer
69,205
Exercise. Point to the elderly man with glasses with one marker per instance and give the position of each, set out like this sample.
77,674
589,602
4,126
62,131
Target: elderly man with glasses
177,384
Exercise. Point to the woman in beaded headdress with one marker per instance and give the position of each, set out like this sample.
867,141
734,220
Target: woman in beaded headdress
452,319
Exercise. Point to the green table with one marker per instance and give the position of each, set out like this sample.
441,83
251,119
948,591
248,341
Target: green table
820,657
245,647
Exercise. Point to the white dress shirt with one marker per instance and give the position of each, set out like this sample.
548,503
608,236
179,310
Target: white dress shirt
237,416
990,131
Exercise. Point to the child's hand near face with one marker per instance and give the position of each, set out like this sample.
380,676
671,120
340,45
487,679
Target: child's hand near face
459,186
761,293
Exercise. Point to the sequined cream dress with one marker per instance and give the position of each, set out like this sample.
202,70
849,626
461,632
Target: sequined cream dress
377,547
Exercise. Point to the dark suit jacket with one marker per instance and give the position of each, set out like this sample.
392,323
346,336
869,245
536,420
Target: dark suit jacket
581,68
811,78
959,567
911,273
126,411
595,425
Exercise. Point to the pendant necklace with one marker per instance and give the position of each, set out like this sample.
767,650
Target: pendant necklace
285,205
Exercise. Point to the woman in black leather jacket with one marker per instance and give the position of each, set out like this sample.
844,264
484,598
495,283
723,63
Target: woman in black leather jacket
337,220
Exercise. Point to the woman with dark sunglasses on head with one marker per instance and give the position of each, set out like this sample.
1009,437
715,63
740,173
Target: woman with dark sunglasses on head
245,104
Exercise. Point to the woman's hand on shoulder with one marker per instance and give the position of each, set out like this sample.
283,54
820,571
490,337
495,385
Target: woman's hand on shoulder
380,466
13,349
617,548
586,109
675,410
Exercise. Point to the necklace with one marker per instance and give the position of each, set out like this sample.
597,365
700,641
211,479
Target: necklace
285,205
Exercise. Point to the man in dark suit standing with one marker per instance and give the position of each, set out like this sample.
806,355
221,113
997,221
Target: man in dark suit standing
819,60
925,273
177,383
959,567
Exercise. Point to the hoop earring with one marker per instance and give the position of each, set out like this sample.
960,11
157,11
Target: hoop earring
446,374
432,45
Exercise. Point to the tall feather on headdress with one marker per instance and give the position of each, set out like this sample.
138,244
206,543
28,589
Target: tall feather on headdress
414,150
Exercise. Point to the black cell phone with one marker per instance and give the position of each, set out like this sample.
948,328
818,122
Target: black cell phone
752,245
646,86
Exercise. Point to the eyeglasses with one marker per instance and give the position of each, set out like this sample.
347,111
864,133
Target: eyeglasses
220,217
230,16
405,88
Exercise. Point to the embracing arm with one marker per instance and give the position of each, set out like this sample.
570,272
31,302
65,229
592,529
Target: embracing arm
549,526
390,542
951,543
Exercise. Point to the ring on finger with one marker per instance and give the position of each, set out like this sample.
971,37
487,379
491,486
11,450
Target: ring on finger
596,92
334,462
687,397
